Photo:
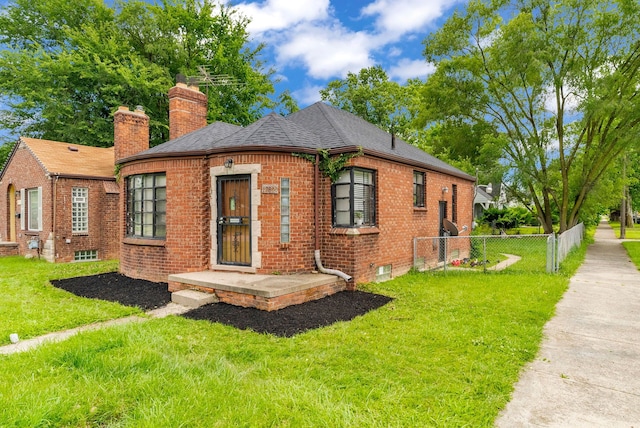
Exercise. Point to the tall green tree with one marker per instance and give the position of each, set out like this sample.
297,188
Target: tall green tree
68,64
559,78
372,96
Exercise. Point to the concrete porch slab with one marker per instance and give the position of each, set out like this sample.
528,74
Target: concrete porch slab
267,286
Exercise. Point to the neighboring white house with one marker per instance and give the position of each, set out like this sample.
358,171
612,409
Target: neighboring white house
482,200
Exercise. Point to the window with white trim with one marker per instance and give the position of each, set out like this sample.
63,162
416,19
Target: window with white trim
285,201
33,208
80,210
354,198
147,205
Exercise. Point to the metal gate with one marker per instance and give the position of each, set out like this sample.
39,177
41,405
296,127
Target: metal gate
234,220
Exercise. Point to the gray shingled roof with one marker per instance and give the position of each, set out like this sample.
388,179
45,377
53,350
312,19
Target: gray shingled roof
196,141
319,126
272,130
338,128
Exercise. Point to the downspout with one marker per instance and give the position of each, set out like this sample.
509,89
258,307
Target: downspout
316,196
54,189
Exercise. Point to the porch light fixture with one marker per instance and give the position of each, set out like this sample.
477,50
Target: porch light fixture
445,189
228,163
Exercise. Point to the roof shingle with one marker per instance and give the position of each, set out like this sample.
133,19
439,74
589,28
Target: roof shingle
60,158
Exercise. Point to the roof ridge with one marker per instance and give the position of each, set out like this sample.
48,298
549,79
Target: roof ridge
324,108
290,124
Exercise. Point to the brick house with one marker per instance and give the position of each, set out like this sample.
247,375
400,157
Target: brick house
59,201
220,197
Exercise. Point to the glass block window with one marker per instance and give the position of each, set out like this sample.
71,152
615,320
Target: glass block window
418,189
147,205
80,210
85,255
284,210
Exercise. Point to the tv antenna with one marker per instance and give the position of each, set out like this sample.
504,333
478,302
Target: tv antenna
207,79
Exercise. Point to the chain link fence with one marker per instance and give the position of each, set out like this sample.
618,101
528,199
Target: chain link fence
530,253
524,253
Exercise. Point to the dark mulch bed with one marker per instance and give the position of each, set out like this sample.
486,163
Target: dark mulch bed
115,287
285,322
295,319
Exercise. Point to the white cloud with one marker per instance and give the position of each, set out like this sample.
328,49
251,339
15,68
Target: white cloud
282,14
398,17
394,51
409,69
327,51
308,94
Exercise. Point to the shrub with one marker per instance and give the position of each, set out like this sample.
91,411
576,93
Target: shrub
507,218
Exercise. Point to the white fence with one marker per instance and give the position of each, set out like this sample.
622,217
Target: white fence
569,240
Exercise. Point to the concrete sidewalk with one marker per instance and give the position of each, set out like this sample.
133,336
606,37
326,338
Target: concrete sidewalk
587,372
58,336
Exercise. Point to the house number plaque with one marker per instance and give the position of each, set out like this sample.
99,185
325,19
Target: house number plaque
271,189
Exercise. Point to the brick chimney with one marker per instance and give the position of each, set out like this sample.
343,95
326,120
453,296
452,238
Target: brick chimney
187,109
130,132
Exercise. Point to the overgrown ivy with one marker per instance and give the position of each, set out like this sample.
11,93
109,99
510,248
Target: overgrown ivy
330,166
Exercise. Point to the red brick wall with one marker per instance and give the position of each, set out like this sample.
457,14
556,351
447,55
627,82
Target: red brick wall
103,217
187,110
8,249
297,255
25,172
130,132
358,252
187,244
398,222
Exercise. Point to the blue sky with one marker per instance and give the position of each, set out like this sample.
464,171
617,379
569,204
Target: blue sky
311,42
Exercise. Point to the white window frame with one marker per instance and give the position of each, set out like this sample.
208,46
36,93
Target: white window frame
80,210
28,196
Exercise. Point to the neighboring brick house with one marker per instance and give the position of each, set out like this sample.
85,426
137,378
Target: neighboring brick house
60,201
221,197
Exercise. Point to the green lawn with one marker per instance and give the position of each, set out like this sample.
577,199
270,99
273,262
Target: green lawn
630,232
445,352
31,307
633,249
531,249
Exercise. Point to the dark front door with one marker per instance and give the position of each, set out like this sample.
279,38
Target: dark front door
442,216
234,220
